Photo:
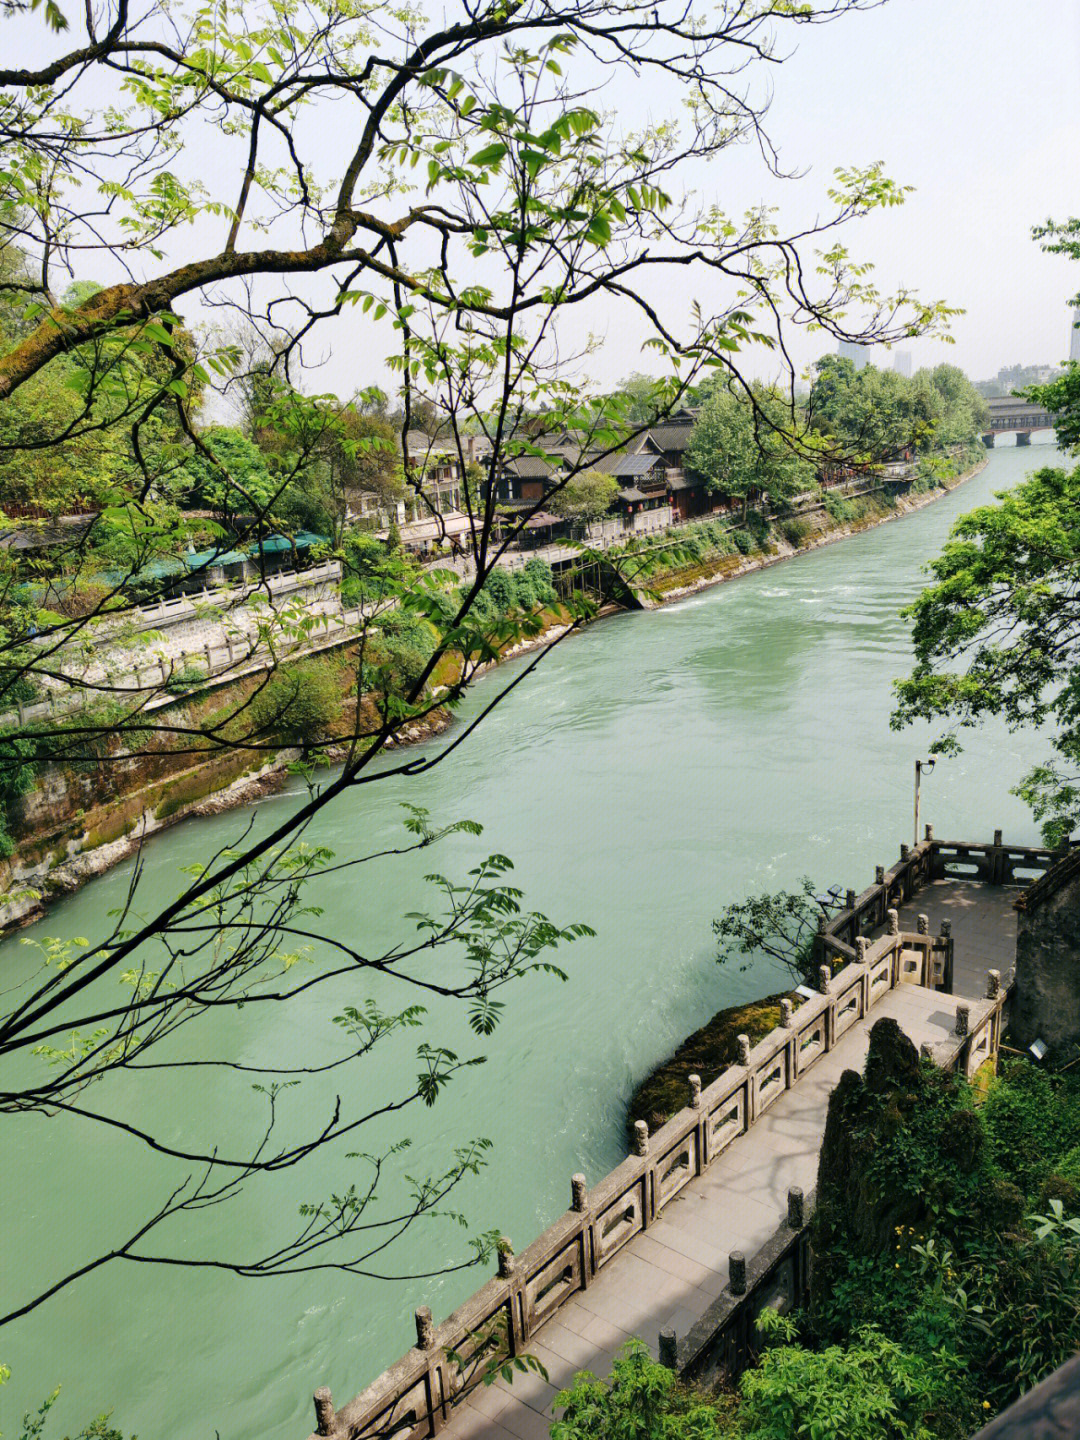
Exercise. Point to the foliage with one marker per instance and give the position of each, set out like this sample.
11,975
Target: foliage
299,701
588,496
1032,1123
98,1429
997,633
188,677
400,654
642,1400
1061,396
233,478
745,446
781,924
869,1389
878,414
796,531
509,592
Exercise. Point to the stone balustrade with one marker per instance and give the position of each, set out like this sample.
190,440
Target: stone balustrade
931,859
415,1397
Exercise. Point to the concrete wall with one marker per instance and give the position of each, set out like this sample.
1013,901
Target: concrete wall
1046,1002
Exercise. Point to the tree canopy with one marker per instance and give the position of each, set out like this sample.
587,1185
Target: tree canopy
588,496
998,633
745,445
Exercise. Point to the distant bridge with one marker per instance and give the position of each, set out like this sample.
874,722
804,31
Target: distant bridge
1008,415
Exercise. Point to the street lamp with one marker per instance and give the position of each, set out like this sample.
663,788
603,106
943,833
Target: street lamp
920,766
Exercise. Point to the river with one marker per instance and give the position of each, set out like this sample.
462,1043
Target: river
652,769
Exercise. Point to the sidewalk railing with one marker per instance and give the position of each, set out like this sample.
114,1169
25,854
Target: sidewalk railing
416,1396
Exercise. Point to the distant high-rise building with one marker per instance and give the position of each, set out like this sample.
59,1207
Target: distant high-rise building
902,363
1074,334
848,350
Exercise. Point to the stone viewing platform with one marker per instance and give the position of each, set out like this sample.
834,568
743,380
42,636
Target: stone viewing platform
706,1222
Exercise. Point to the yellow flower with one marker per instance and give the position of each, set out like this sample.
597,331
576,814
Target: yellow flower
986,1404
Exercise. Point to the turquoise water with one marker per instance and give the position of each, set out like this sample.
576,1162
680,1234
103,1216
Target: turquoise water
652,769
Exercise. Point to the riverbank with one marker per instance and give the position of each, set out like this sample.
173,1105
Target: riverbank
77,838
824,532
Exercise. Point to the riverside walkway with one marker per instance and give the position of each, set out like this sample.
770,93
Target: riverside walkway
705,1222
669,1275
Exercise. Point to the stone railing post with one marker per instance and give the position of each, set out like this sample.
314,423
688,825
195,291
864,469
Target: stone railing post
993,984
742,1044
669,1345
641,1137
894,921
787,1010
796,1208
737,1272
325,1418
821,938
693,1086
923,924
963,1020
425,1328
949,946
577,1194
505,1253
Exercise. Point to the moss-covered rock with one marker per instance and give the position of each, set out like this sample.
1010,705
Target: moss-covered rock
707,1052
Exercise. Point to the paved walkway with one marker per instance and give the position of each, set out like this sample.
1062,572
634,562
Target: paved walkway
983,927
671,1274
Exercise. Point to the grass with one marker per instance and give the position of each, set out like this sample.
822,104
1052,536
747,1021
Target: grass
707,1052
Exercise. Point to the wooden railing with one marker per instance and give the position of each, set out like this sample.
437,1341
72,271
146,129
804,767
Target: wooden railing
416,1397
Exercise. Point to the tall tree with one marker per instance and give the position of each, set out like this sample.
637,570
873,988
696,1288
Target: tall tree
998,632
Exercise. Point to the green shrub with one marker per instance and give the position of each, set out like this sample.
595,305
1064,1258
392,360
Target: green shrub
796,532
543,587
298,702
641,1401
871,1389
400,654
188,677
839,509
1031,1122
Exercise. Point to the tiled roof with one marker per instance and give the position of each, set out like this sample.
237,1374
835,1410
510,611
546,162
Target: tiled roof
530,467
672,434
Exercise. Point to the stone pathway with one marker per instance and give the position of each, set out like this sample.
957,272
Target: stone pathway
983,927
671,1274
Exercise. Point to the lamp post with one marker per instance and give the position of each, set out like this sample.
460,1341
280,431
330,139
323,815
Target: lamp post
920,766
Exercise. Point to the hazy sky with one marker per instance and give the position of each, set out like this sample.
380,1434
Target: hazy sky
976,103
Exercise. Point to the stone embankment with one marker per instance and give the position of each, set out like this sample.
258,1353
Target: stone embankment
823,531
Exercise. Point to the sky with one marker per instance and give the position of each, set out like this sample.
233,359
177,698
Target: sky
974,103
